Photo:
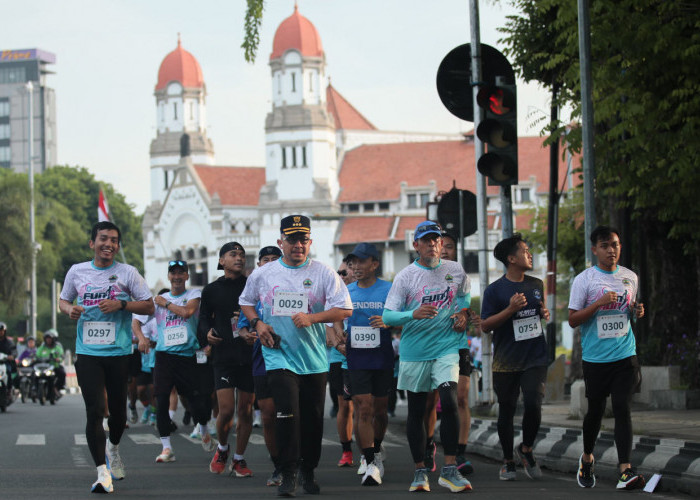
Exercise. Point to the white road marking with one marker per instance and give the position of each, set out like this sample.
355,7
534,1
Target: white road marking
31,439
80,439
144,438
79,458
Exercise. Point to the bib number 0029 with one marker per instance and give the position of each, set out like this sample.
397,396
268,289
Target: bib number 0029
289,303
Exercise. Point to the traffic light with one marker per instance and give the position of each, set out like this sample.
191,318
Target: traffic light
499,131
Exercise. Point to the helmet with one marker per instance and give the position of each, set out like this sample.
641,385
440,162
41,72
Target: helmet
51,332
3,326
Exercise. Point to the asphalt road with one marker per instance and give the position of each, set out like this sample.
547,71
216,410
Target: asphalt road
43,455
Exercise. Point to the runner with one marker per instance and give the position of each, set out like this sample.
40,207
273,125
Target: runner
103,289
429,299
263,392
449,252
231,356
513,307
144,382
604,303
298,296
370,358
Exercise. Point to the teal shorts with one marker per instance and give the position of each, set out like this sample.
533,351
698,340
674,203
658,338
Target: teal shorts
425,376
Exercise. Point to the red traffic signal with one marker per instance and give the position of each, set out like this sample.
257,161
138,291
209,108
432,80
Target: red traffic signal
499,131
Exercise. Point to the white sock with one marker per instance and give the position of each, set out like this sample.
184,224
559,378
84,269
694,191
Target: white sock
172,414
203,429
102,469
236,456
166,442
223,447
257,413
112,447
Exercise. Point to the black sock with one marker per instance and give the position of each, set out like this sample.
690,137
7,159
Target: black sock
461,448
429,443
378,445
369,454
347,445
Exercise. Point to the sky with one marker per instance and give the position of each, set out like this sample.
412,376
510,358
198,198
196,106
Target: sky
381,55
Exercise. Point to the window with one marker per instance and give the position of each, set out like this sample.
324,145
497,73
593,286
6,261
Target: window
165,173
5,153
191,111
525,195
284,157
303,156
412,200
353,207
279,83
424,199
294,156
294,82
4,107
368,207
311,82
4,130
175,111
13,75
384,205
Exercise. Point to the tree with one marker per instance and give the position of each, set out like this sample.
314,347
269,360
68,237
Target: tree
253,21
14,238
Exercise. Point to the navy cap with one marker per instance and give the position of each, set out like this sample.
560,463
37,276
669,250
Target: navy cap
425,228
264,251
231,245
173,264
364,250
295,224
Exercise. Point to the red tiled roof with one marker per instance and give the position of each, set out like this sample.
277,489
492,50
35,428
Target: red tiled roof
345,115
296,32
235,185
180,66
369,229
385,166
406,224
521,221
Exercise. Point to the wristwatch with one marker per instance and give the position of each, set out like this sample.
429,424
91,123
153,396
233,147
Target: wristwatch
167,304
123,304
254,322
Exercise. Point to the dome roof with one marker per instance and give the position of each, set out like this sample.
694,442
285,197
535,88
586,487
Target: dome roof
180,66
297,32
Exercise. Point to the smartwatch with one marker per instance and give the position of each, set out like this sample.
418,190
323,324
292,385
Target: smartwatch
123,304
254,322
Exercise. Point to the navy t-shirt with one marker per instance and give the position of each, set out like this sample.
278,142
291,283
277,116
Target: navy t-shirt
367,302
519,343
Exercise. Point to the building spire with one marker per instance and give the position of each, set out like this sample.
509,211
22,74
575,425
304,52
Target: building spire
179,43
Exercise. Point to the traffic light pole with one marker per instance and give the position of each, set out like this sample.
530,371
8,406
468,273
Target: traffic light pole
481,215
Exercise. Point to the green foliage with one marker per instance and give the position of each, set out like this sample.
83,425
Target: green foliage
14,238
253,21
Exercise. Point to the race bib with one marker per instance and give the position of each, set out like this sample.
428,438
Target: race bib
99,332
201,357
289,303
527,328
364,337
234,326
175,335
611,326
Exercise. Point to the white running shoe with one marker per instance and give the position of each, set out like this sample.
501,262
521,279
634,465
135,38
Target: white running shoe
195,434
165,456
104,481
379,463
114,461
363,466
209,443
372,477
257,420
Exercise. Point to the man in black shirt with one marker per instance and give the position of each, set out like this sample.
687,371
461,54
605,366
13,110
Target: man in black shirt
231,358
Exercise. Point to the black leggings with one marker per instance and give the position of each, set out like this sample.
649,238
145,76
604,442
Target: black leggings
95,375
449,421
299,401
507,386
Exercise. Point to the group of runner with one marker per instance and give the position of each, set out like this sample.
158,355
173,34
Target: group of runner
265,337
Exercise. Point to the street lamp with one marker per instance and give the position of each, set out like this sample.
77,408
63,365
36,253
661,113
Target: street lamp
34,245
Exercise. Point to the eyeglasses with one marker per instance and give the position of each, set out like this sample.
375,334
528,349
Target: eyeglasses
297,239
428,227
180,263
343,273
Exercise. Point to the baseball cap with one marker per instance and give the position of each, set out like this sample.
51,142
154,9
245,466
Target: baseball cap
295,224
231,245
364,250
177,263
425,228
264,251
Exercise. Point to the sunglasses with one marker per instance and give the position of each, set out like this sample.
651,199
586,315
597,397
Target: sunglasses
297,239
180,263
428,227
343,273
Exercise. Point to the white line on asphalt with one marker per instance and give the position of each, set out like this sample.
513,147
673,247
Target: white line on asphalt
191,439
144,438
80,439
79,459
31,439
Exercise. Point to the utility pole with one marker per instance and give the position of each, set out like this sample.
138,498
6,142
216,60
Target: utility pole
32,242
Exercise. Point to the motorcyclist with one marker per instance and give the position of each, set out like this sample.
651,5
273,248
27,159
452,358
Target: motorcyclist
8,347
29,351
52,350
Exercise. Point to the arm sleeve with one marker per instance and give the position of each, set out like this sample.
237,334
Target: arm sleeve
396,318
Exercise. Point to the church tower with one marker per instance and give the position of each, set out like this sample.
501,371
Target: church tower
300,152
181,109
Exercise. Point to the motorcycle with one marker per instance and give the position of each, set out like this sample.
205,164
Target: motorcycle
45,381
7,395
27,388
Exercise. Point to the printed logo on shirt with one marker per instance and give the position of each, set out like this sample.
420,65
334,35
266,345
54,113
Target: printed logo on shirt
94,294
626,282
438,298
621,303
449,278
307,283
537,294
113,278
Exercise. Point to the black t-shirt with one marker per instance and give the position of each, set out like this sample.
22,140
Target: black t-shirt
219,302
7,346
510,355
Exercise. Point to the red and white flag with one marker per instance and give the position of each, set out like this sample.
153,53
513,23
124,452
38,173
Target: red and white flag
102,208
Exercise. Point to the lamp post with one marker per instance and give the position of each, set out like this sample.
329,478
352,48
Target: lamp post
33,244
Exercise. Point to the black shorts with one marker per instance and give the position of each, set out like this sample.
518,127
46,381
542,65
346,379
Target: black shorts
234,377
466,367
378,383
507,385
621,377
262,387
339,382
173,370
144,378
134,364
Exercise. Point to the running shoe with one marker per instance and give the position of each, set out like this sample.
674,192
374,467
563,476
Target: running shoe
451,479
463,465
429,459
144,416
345,459
165,456
507,472
630,480
532,468
363,466
114,461
308,482
372,477
152,419
275,478
212,429
218,463
104,481
288,486
195,434
133,415
186,418
239,468
420,480
379,463
208,443
585,476
257,421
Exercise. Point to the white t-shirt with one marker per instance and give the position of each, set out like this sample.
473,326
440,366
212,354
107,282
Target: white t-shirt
177,335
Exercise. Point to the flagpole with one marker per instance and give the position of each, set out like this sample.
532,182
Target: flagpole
104,215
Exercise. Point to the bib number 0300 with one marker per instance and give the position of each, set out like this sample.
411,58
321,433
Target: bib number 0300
611,326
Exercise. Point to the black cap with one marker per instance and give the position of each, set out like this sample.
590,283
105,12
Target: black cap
295,224
264,251
231,245
364,250
177,263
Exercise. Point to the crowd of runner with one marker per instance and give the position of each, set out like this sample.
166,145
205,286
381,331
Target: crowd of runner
274,339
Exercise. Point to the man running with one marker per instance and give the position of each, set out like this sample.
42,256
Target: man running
603,303
231,356
513,307
103,289
429,299
298,295
370,358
